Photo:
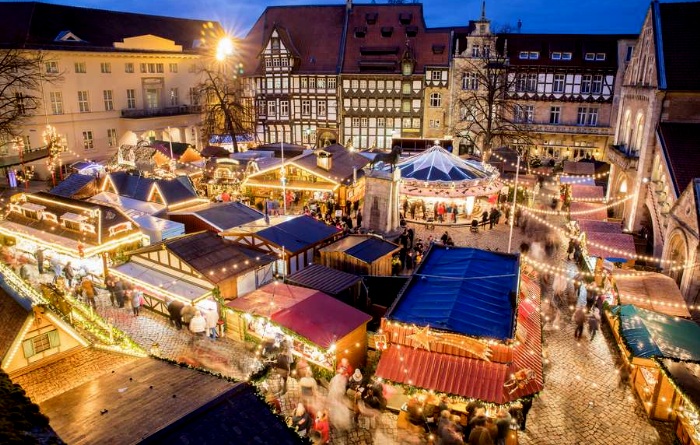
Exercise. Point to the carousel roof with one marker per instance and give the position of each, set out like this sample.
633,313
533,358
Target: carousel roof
439,165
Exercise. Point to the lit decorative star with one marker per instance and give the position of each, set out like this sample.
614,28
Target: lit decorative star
422,336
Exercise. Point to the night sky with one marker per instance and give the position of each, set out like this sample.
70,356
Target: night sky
538,16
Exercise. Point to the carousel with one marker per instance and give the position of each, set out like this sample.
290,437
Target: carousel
436,185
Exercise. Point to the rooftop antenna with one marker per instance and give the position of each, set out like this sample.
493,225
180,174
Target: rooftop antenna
483,10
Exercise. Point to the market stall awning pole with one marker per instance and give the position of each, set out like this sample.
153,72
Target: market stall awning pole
512,209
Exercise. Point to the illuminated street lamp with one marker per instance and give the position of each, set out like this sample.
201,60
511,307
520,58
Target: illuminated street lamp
224,48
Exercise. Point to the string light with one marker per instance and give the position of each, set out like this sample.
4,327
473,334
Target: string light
577,212
552,175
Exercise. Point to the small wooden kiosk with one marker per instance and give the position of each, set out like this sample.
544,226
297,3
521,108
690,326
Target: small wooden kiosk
643,335
360,255
683,376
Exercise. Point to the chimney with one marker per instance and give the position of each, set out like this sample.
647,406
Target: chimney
348,5
324,160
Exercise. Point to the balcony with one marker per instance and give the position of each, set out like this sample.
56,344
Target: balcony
623,157
160,112
10,158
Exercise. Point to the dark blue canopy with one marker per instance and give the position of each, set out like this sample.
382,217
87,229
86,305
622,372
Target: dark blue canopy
438,165
462,290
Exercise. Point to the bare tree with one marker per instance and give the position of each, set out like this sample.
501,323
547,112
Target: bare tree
225,111
486,113
22,76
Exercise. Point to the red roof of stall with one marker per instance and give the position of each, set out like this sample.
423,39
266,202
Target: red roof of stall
321,319
468,377
592,210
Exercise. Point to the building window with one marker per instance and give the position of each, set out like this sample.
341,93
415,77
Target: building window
364,122
524,113
628,57
194,96
523,55
597,87
600,56
268,63
406,106
105,67
355,122
174,97
128,67
415,122
526,82
475,51
436,75
363,84
284,108
406,88
131,99
88,143
83,101
434,123
554,115
321,83
112,137
275,43
305,107
271,108
80,67
108,99
172,67
565,56
321,108
40,343
51,67
312,83
152,68
558,86
435,100
556,56
589,56
331,83
284,62
19,104
586,81
587,116
534,55
56,102
470,81
380,122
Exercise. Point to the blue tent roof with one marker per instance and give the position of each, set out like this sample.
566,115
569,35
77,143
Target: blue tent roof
298,233
652,334
463,290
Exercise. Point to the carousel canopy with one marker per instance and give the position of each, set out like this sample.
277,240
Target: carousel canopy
439,165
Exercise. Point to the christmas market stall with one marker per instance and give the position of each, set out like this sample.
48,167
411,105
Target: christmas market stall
193,268
343,286
76,186
360,254
650,290
437,179
216,216
295,241
320,178
322,330
643,335
67,230
464,327
684,376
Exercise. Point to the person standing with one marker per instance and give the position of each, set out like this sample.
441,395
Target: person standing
40,260
359,218
136,300
198,324
593,322
579,320
212,317
68,273
175,312
89,292
120,292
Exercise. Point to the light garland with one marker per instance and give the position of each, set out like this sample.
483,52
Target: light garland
600,246
551,175
574,213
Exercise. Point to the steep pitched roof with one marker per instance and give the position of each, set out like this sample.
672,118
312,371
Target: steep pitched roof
75,186
173,191
214,257
385,30
315,32
37,25
677,39
680,143
14,310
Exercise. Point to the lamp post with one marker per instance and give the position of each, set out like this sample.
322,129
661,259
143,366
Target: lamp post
283,178
515,197
172,158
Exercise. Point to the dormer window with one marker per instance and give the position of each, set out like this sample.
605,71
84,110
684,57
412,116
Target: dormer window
275,43
411,31
324,160
600,56
360,32
73,221
405,18
31,210
387,31
50,217
119,228
556,56
371,18
565,56
589,56
438,49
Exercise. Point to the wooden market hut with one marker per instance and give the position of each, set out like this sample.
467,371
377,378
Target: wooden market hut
464,311
360,255
216,216
685,378
82,232
344,286
295,241
76,186
650,290
324,329
188,268
643,335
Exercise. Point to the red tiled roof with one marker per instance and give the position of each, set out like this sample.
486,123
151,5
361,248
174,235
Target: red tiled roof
469,377
587,191
593,210
387,16
681,145
622,242
590,225
315,33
